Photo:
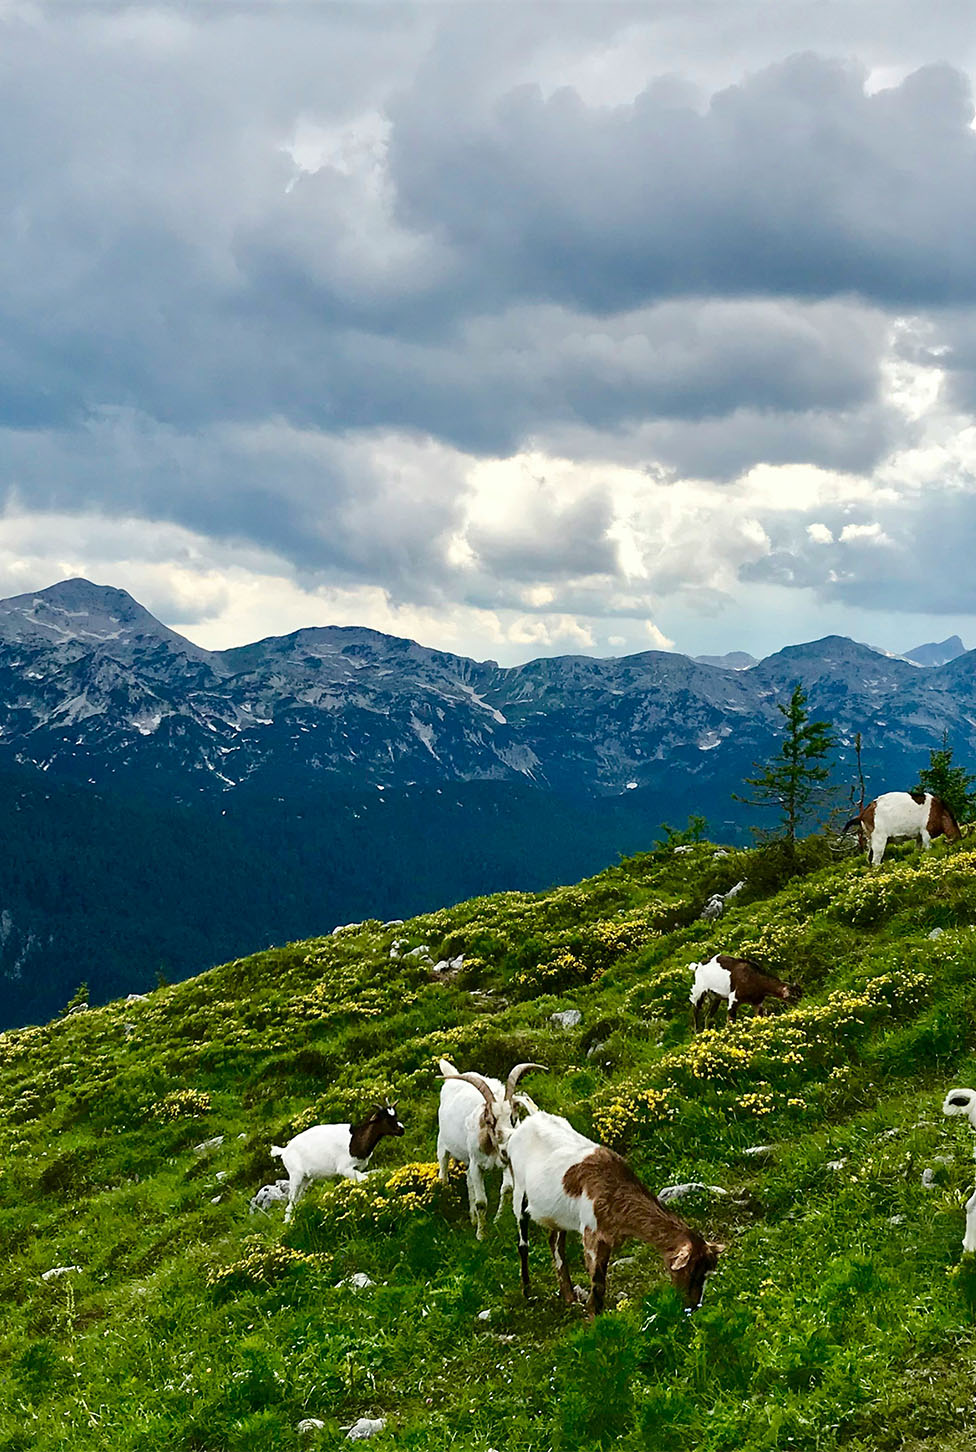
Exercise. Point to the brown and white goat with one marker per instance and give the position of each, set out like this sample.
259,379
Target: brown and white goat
903,814
738,981
474,1121
328,1151
566,1182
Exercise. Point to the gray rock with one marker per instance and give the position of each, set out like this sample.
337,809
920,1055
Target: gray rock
267,1196
137,997
394,923
928,1179
936,933
567,1019
759,1149
57,1271
716,904
365,1427
484,1315
206,1145
307,1425
359,1280
836,1164
693,1187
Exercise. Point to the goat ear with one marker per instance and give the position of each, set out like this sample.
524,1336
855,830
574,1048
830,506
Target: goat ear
680,1258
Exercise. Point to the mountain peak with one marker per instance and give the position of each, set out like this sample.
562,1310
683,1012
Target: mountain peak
77,609
936,653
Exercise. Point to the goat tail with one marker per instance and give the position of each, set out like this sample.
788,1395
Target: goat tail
447,1068
277,1152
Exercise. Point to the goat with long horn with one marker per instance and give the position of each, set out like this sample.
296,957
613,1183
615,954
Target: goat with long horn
474,1122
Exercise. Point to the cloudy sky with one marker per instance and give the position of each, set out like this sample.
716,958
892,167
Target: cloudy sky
519,329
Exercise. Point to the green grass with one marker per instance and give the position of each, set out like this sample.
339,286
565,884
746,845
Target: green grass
841,1316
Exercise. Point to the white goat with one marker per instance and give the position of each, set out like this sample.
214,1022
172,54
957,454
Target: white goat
333,1151
475,1118
564,1181
903,814
963,1101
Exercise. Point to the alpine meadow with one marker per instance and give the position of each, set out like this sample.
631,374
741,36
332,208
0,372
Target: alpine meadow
149,1305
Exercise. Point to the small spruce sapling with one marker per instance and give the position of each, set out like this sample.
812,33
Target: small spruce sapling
78,1001
795,780
952,783
682,836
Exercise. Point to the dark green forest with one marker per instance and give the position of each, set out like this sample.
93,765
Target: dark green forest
120,891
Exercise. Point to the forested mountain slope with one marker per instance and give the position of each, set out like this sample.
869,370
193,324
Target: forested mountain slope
842,1314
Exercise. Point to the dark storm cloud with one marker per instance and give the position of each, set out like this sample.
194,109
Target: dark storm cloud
165,256
194,329
794,181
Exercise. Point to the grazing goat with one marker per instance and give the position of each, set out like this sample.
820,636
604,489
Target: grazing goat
738,981
903,814
475,1119
330,1151
566,1182
963,1101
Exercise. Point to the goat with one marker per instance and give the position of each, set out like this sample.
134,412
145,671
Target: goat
903,814
331,1151
475,1132
738,981
566,1182
963,1101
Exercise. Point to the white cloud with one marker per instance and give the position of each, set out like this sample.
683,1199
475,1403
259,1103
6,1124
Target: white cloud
867,533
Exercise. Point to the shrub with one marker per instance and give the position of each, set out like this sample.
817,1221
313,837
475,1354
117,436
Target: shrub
182,1104
594,1372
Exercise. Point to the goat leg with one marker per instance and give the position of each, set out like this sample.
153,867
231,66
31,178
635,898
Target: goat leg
557,1244
523,1244
598,1260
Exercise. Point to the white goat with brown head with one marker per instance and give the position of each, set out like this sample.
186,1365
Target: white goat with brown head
903,814
474,1122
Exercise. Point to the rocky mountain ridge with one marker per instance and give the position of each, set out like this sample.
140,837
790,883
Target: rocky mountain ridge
94,689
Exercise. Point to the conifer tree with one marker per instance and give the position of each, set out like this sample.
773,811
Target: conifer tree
952,783
795,780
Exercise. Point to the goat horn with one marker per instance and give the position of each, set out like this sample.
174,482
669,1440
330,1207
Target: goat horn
478,1083
516,1075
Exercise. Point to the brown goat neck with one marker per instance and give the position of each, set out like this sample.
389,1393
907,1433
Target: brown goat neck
624,1208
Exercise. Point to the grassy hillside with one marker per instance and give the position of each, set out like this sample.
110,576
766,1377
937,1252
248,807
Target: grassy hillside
840,1317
